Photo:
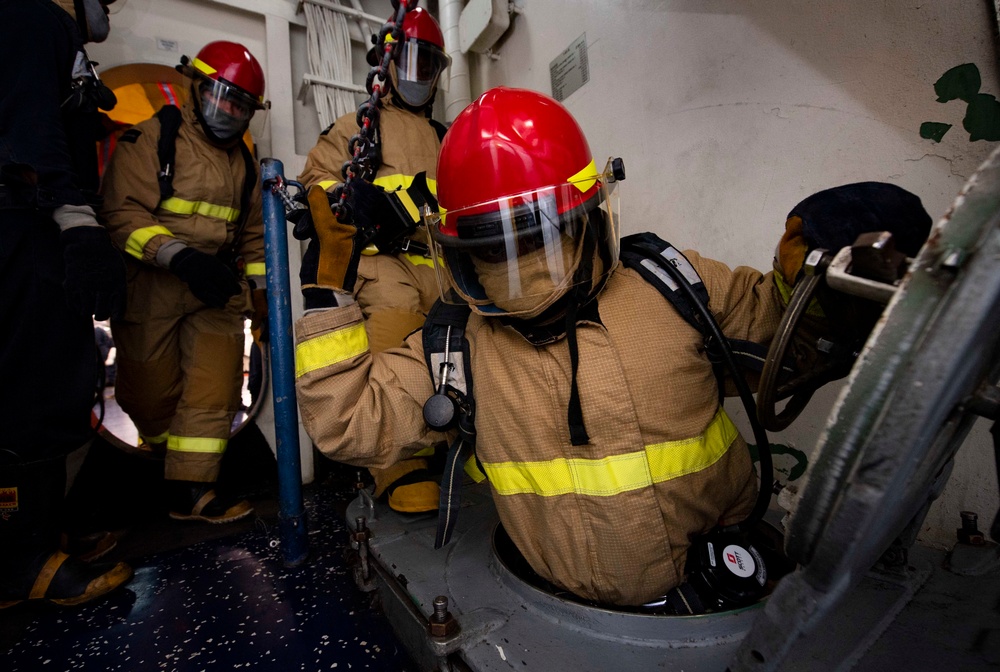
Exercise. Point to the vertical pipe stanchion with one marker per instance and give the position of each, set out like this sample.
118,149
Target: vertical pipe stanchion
292,522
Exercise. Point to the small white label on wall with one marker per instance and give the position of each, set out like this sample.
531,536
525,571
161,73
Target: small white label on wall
167,45
570,70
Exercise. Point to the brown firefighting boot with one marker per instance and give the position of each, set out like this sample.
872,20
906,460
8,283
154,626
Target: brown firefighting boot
410,486
191,500
31,565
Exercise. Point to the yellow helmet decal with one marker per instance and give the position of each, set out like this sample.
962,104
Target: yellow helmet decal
586,178
203,66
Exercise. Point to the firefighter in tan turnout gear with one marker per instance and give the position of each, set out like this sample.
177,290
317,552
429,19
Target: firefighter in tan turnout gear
597,413
396,287
187,213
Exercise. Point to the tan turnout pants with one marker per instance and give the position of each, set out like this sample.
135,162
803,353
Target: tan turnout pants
180,370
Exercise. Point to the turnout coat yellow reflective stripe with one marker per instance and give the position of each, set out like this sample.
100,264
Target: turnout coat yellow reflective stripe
612,520
204,209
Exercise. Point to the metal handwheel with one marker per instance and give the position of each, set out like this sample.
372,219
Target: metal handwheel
928,370
800,388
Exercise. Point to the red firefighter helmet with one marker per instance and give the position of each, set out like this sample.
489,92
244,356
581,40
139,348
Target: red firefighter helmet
520,194
228,87
419,60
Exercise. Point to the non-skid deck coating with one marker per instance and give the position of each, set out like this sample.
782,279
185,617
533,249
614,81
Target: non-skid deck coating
224,604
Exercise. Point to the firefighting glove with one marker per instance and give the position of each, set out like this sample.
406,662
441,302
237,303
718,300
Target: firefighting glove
330,263
208,278
394,215
94,271
833,219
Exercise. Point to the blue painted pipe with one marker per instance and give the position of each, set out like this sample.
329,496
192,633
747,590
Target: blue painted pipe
291,515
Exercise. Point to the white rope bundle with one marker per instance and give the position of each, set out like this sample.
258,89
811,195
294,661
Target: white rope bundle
329,48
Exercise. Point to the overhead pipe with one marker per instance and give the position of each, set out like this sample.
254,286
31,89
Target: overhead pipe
291,512
459,93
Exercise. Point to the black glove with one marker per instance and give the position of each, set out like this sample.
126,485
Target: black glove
833,219
394,214
94,272
208,278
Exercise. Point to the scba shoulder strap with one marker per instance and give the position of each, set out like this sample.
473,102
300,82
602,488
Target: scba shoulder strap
170,126
647,254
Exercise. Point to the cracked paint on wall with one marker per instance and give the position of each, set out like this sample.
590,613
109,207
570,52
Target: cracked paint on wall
982,115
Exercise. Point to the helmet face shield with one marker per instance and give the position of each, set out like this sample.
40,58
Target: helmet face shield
227,87
517,255
418,66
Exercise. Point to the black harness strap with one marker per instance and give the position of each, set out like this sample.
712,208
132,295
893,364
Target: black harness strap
446,352
646,253
170,126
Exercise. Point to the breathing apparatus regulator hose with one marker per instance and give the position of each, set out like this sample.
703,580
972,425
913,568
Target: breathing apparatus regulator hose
746,396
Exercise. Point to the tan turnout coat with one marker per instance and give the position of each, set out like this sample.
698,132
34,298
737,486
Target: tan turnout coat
394,291
612,520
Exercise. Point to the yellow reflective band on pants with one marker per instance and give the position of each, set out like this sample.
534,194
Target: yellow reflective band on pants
329,349
196,444
159,438
137,241
613,475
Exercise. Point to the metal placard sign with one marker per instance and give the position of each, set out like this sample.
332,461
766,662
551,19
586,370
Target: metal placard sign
570,70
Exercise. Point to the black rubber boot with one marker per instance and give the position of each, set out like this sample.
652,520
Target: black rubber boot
88,547
60,579
191,500
31,565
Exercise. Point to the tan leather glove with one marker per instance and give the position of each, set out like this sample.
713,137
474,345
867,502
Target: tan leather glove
331,260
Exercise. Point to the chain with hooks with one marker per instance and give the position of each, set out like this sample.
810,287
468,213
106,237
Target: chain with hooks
363,147
278,185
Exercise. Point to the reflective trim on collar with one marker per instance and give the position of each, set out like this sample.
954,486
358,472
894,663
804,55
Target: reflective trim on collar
616,474
196,444
179,206
329,349
136,242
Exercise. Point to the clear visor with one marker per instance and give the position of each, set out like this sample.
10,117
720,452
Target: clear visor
218,96
518,254
419,67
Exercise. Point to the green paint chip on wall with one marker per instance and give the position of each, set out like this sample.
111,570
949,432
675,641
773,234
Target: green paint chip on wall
933,130
961,82
982,118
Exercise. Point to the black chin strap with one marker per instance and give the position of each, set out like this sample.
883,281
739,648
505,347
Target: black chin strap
579,295
577,431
